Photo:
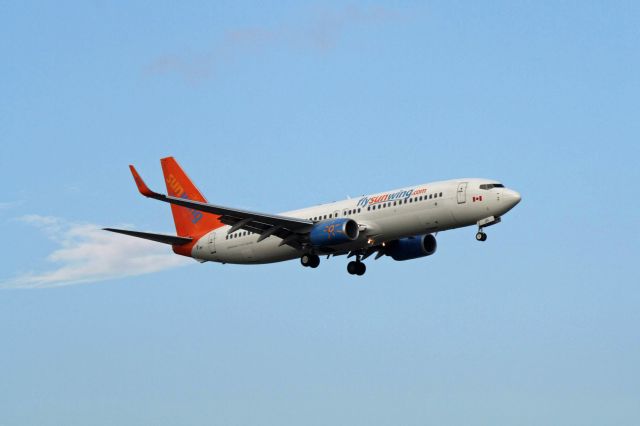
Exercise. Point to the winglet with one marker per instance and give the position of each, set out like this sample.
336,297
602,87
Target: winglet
142,187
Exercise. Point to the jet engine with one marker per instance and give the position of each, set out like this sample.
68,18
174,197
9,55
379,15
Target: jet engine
411,247
334,231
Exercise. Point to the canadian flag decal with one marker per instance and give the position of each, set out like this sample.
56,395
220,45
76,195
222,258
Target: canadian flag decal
478,198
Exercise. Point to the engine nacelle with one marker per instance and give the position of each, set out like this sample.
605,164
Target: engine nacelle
334,231
412,247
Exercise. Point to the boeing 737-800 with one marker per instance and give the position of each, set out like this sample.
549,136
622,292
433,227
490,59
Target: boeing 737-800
400,223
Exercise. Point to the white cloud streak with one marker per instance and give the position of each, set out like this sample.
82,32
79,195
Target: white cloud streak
6,205
89,254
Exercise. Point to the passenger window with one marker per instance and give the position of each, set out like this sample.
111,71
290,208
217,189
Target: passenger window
441,194
358,209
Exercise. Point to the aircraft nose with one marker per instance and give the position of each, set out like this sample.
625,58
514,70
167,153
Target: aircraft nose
512,197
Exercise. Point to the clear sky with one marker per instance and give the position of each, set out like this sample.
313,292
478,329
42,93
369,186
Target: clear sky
274,106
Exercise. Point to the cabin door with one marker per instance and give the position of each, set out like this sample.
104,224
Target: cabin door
462,193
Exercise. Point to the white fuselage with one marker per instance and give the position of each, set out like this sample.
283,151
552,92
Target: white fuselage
382,217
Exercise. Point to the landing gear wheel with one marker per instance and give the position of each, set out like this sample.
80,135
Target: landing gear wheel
481,236
315,261
310,260
356,268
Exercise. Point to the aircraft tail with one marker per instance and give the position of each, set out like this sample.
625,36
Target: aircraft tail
189,222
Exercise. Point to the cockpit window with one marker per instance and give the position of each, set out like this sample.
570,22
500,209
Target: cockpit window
491,185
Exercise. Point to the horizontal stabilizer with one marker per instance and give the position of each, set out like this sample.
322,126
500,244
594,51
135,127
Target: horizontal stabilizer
160,238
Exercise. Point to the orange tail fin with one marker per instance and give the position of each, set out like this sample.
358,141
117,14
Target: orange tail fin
191,223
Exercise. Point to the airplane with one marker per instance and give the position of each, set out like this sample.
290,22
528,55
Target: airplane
401,223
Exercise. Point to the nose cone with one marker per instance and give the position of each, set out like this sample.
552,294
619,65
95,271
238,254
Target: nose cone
511,198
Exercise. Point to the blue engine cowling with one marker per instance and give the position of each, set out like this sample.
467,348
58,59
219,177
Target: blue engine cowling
412,247
333,232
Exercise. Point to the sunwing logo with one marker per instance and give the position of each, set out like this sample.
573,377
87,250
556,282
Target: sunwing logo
332,230
178,191
400,195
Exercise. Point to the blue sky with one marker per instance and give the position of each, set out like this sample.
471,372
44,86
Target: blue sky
274,107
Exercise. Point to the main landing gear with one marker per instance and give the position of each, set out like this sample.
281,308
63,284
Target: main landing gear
356,267
481,236
310,260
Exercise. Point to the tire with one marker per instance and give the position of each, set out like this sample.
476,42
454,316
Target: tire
481,236
314,261
352,268
362,268
305,260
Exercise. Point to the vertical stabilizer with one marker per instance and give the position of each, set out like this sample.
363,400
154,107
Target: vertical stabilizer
189,222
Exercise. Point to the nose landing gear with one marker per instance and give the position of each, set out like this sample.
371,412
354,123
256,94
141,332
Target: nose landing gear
487,221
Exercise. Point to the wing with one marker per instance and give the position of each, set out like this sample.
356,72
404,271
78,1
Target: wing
290,229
